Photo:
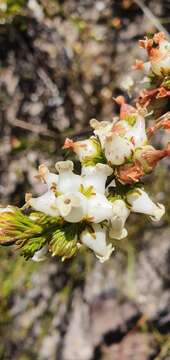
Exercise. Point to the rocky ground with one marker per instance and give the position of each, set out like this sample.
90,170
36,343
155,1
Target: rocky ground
60,67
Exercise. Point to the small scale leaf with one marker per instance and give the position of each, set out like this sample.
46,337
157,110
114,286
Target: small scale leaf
31,246
64,241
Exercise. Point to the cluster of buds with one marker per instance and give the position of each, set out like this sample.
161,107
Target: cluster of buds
90,208
157,72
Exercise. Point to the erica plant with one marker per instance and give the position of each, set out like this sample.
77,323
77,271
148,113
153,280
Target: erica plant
90,208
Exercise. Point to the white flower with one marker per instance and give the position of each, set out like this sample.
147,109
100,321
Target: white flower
119,217
117,149
67,181
49,178
159,55
137,132
96,176
160,58
45,203
84,148
72,206
96,241
40,255
98,208
141,203
101,129
120,138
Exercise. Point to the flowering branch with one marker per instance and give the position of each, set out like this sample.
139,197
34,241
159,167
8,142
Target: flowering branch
91,208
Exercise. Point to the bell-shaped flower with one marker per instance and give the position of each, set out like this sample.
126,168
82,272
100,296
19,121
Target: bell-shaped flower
84,149
160,58
49,178
101,129
96,177
137,131
67,181
148,156
41,255
96,240
99,208
132,122
125,109
72,206
45,203
140,202
159,55
119,217
118,149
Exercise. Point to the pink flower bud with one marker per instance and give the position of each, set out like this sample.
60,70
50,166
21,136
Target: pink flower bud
163,123
125,109
130,173
148,157
68,144
146,44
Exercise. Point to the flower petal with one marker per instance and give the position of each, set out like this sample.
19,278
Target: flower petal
96,176
101,129
96,241
72,206
41,254
99,208
119,217
117,149
45,203
49,178
68,181
141,203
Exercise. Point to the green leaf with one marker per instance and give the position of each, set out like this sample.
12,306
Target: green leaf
14,226
45,220
113,197
31,245
64,241
166,83
27,232
120,191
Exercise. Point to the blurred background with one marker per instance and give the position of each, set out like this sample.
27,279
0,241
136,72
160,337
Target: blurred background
61,62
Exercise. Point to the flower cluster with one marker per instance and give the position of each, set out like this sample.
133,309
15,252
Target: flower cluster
157,73
90,207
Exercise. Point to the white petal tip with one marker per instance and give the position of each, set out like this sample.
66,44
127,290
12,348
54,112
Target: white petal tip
106,257
104,168
159,213
64,165
40,255
94,123
118,236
